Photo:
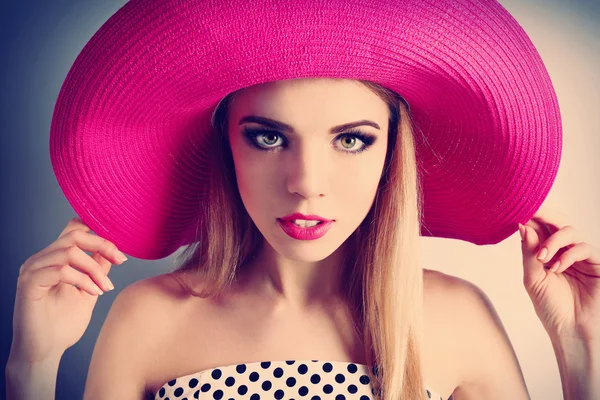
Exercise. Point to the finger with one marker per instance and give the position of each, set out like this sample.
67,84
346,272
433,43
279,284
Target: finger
533,270
76,258
51,276
87,242
563,239
74,223
554,219
103,262
541,230
580,252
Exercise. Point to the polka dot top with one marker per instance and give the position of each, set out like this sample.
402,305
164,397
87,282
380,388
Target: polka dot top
288,380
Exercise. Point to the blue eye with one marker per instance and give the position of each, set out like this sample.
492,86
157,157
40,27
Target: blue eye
269,139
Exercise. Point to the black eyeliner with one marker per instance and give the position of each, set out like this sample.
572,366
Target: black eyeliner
250,135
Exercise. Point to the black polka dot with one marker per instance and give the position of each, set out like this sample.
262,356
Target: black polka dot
346,375
303,391
243,389
241,368
302,369
428,394
218,394
315,378
266,385
205,387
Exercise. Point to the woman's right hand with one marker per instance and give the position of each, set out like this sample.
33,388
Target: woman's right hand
51,313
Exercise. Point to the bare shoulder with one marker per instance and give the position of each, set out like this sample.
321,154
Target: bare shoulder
118,367
487,364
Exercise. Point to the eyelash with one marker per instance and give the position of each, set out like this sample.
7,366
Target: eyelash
251,135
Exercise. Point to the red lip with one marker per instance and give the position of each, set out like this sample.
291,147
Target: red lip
307,217
299,233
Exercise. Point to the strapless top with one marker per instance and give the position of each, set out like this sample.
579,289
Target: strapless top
293,379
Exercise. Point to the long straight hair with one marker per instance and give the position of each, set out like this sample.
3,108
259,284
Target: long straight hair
383,278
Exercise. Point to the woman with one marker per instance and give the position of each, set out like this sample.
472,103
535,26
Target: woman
333,310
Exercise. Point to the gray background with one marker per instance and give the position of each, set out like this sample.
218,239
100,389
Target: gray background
39,41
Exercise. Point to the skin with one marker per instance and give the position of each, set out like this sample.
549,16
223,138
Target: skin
287,303
288,310
311,171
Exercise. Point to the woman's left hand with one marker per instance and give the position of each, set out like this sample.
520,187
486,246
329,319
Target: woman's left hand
566,300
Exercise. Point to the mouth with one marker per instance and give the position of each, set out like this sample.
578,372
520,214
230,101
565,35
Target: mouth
310,231
303,223
304,220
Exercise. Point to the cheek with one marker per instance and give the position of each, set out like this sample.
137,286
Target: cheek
254,181
357,185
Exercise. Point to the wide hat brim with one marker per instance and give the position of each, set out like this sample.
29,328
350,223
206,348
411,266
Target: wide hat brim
127,138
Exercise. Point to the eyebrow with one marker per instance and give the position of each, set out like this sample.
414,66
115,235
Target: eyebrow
271,123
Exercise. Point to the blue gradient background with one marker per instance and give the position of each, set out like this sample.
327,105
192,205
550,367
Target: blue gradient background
39,40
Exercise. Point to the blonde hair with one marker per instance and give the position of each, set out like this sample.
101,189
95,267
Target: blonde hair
384,278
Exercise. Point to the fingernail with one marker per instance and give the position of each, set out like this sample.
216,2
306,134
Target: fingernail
542,253
98,290
109,283
121,257
555,266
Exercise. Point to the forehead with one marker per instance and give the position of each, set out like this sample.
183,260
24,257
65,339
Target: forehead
310,102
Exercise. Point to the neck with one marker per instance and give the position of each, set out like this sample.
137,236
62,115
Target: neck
296,284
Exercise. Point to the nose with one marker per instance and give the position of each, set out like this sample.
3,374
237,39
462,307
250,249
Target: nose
307,172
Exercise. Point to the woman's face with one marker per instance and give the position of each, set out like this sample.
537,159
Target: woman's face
306,168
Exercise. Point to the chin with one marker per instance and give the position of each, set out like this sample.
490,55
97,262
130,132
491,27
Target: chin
306,250
312,255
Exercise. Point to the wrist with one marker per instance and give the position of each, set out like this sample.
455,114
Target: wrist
579,367
31,379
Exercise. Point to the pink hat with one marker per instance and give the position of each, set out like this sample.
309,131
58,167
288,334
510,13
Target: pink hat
126,134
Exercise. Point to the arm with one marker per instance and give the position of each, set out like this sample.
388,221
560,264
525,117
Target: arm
117,366
31,380
488,364
579,366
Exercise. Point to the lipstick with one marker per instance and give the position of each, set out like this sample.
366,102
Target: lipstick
304,233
